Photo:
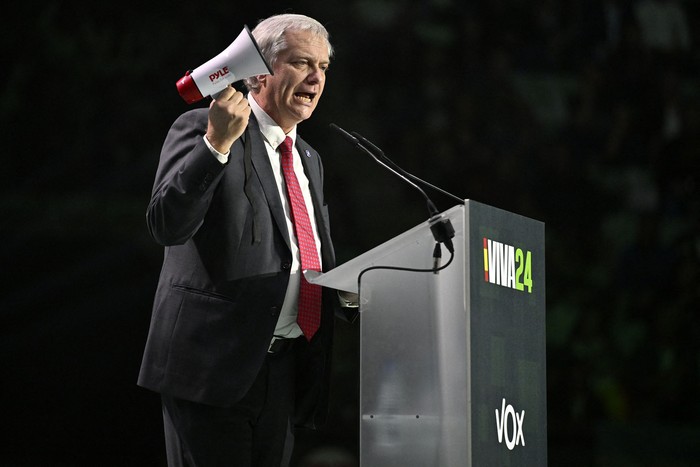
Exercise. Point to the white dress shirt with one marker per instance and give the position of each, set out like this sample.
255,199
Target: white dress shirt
273,135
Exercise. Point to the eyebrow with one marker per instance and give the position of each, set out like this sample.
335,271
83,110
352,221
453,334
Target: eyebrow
304,56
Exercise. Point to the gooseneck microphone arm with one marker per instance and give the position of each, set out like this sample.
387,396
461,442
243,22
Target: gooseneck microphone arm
440,227
361,145
380,154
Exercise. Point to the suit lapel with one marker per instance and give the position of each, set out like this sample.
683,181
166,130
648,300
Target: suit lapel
263,169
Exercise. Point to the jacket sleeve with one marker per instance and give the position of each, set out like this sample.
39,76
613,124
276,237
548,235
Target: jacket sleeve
186,179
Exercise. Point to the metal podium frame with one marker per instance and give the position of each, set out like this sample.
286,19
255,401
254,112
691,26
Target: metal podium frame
453,364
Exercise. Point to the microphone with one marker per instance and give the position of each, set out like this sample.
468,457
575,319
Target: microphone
357,143
379,153
441,228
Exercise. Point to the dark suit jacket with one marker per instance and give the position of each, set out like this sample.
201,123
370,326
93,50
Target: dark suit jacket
225,271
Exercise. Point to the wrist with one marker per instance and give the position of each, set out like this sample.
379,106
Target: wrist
221,156
222,147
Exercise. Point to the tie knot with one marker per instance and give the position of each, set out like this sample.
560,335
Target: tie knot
286,146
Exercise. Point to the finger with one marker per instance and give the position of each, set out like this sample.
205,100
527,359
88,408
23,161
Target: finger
226,93
236,104
240,102
238,97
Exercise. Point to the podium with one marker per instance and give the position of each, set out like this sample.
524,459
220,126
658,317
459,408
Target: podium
453,364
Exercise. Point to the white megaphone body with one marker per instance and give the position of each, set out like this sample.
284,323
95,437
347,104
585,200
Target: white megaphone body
240,60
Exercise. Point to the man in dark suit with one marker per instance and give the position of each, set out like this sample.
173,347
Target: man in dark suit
234,369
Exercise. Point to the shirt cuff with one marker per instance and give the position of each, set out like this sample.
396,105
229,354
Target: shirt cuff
223,158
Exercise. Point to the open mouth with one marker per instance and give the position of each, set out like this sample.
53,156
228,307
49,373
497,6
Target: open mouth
304,97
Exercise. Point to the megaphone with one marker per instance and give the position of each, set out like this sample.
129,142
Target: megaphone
240,60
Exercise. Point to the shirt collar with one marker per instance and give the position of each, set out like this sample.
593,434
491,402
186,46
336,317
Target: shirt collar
270,130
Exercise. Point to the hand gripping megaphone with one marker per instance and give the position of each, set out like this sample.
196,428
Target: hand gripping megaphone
240,60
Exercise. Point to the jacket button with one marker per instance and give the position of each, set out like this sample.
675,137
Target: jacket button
286,266
273,311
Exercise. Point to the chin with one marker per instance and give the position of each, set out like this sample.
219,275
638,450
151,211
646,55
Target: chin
303,116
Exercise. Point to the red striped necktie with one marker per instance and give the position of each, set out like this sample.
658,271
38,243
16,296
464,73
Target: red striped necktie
309,314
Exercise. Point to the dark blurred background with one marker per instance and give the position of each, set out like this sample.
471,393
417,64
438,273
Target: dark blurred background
584,114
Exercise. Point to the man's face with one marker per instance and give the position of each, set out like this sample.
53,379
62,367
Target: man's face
292,93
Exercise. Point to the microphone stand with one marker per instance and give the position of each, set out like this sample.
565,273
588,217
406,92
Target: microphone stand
379,153
441,228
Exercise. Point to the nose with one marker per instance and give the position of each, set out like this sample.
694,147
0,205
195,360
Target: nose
316,75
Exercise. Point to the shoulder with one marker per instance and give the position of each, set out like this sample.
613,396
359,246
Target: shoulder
196,117
190,124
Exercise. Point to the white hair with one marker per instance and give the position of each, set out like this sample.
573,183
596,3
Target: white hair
269,34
